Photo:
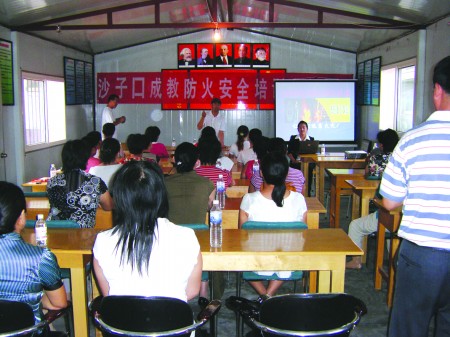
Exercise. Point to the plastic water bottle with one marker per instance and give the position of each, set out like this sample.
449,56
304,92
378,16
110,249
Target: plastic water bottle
174,143
220,186
256,166
52,170
194,141
40,230
215,225
322,150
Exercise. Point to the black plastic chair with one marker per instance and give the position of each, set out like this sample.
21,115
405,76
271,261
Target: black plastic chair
148,316
301,314
17,319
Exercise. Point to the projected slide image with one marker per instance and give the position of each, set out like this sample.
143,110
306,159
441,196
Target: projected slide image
327,107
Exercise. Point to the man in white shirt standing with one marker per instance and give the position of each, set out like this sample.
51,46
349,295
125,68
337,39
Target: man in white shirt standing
107,114
214,119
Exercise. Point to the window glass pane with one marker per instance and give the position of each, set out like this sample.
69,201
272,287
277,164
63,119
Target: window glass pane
387,99
405,105
44,110
34,112
56,111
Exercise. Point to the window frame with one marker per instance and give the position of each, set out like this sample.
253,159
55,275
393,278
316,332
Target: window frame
394,118
27,75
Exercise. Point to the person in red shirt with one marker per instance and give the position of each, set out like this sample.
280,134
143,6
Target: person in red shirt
158,149
210,150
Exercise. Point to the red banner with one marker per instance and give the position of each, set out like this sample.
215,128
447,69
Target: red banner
132,88
266,89
235,88
173,89
194,88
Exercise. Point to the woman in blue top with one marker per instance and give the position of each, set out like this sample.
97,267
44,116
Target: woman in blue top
28,273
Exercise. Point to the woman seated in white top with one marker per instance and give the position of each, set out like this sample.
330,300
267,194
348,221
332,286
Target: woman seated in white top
109,154
144,253
273,203
242,142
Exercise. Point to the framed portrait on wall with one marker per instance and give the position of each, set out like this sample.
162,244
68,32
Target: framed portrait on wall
261,55
224,55
205,54
243,54
186,55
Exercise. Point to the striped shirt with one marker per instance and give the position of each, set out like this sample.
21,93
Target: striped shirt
418,174
25,271
294,176
212,173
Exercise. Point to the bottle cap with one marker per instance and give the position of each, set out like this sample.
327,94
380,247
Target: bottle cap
215,202
40,216
220,176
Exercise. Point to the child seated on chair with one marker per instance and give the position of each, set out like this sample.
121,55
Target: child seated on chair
275,203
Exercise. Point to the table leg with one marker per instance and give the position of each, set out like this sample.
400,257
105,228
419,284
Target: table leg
305,171
213,320
380,252
312,220
395,242
79,301
324,278
320,182
312,282
335,203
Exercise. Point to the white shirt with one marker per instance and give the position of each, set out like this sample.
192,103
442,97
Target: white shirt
174,255
245,155
108,117
234,149
218,122
259,208
105,172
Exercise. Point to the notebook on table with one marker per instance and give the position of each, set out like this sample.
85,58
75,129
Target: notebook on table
308,147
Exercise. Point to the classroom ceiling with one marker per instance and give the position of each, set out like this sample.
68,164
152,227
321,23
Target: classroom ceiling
97,26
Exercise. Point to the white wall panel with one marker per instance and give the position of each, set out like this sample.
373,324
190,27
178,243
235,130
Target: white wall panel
292,56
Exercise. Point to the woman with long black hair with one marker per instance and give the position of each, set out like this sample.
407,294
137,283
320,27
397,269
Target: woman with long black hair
144,253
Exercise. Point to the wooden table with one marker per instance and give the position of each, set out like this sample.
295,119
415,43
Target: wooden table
241,182
323,250
73,249
327,162
36,186
389,220
363,191
339,186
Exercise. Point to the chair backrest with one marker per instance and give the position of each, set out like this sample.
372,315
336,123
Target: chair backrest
274,225
142,314
196,226
35,194
17,318
302,314
55,224
321,314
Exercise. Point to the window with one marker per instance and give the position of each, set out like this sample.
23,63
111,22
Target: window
44,111
397,96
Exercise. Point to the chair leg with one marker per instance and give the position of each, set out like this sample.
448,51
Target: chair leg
326,202
239,321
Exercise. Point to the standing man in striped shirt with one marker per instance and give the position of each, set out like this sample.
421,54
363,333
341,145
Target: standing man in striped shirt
418,176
